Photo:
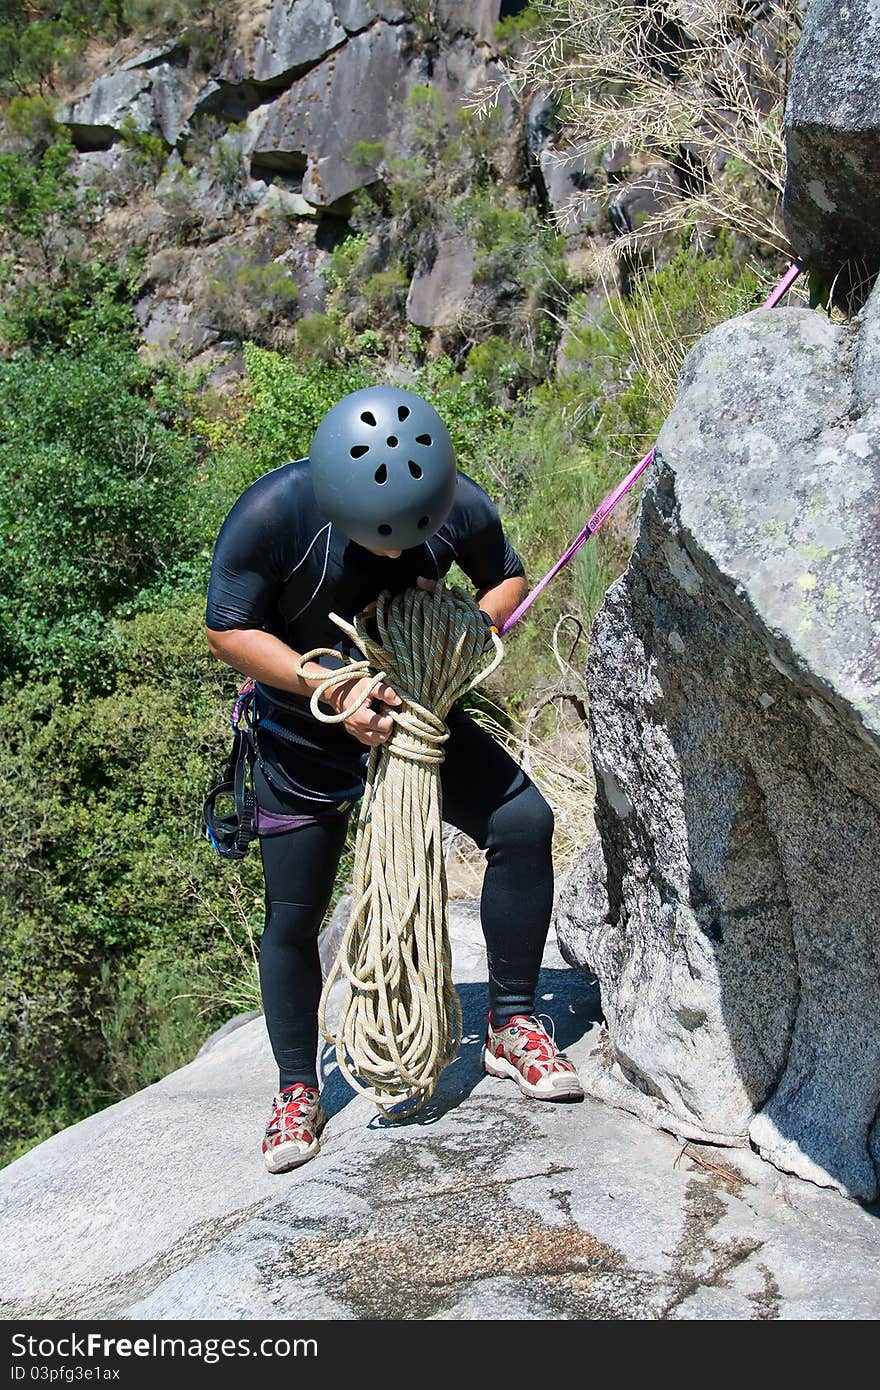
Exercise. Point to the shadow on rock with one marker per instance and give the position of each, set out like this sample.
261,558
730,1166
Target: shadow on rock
570,1001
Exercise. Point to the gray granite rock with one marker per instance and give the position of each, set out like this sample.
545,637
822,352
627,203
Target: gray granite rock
173,325
571,187
155,54
735,704
355,95
357,14
832,126
157,99
541,122
230,1026
487,1206
298,33
476,17
634,211
866,378
440,288
461,68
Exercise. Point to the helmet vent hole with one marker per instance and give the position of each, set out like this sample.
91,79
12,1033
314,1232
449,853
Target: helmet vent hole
384,529
381,473
358,450
402,412
368,417
414,469
424,439
422,522
391,441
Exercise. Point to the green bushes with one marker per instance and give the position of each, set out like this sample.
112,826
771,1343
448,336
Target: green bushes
287,403
31,48
320,336
37,40
253,298
58,289
93,502
31,121
113,905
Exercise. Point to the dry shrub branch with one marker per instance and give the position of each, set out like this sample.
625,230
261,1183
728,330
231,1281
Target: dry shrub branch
698,83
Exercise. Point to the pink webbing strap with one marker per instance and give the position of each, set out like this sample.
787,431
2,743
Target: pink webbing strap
606,507
783,287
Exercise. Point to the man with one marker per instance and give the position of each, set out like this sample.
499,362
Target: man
378,505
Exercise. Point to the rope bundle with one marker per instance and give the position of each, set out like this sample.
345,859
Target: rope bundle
401,1022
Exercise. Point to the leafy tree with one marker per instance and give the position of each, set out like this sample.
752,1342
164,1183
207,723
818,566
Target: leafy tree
93,502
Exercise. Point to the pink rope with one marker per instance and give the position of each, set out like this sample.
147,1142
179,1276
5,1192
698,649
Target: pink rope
606,507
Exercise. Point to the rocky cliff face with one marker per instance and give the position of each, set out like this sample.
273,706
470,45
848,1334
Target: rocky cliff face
270,131
267,140
832,124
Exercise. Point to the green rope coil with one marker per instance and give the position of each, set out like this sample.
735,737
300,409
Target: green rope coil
401,1021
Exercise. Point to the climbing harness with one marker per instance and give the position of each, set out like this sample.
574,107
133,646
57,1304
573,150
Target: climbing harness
606,507
401,1021
231,831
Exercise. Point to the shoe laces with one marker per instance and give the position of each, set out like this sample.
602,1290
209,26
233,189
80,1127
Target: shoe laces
537,1040
289,1104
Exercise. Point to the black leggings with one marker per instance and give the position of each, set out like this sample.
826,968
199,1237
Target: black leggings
487,796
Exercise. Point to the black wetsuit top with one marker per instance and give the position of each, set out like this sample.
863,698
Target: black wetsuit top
280,565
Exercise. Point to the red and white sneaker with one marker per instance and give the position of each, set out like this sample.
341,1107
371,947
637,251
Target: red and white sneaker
525,1052
292,1134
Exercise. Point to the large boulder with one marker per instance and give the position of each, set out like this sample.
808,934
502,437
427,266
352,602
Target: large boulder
832,124
353,98
298,33
155,89
156,98
733,918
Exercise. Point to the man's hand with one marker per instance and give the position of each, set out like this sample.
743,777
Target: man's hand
371,724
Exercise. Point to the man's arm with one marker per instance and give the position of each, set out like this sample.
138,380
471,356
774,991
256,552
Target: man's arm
265,658
500,602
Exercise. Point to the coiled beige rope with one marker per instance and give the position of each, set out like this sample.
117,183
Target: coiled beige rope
401,1022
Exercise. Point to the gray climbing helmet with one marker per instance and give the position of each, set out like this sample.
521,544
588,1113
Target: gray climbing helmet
383,468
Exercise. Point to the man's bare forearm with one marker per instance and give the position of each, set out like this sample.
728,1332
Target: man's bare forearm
265,658
500,602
